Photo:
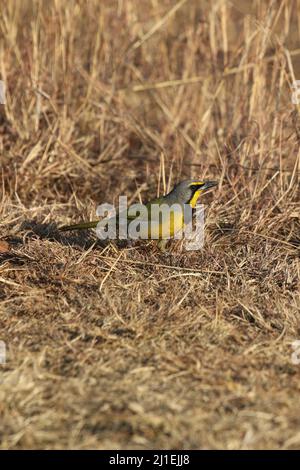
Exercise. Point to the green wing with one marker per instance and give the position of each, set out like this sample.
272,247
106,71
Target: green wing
94,223
87,225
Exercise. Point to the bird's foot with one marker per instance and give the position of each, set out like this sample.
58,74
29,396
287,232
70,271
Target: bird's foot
162,245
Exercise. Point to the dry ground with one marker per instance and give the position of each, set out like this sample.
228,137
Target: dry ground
129,347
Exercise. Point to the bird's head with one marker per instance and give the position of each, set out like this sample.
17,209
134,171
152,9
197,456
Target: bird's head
188,191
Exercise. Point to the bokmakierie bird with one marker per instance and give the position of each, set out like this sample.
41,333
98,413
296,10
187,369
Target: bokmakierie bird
186,192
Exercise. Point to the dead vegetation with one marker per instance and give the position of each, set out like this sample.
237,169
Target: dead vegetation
111,347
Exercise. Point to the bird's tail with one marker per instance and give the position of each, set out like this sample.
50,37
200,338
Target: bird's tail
81,226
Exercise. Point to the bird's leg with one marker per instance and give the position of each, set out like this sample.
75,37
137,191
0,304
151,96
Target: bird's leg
162,244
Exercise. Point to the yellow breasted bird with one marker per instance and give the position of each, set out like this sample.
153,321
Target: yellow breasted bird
185,192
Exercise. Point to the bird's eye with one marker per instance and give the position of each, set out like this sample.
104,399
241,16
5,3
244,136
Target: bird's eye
196,186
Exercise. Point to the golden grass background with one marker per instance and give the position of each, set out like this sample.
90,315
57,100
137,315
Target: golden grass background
113,347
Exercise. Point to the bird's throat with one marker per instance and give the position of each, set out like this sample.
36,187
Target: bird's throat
194,198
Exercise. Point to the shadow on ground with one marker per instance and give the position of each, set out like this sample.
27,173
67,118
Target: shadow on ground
82,239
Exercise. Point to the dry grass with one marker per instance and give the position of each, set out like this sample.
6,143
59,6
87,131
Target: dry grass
128,347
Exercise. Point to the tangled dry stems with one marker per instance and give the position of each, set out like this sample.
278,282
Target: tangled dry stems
113,347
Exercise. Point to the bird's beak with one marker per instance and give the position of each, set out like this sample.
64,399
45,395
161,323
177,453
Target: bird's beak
209,184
